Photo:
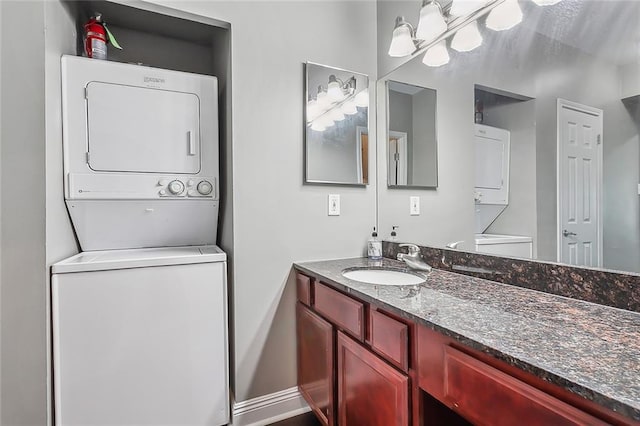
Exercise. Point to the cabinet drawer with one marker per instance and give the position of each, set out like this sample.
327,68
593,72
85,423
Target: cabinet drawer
303,284
389,338
342,310
487,396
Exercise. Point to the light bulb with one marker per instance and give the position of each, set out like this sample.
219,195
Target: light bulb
334,91
336,114
349,107
466,7
467,38
362,99
431,23
437,55
504,16
322,98
546,2
317,126
401,41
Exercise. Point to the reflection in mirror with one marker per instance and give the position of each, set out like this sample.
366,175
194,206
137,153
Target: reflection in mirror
411,152
336,126
555,174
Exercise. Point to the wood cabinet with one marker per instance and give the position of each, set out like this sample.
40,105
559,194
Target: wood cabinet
316,363
370,391
359,365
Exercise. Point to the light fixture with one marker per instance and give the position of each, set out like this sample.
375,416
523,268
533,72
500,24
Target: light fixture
313,110
402,40
322,98
505,16
349,107
546,2
362,99
334,89
437,55
318,126
336,114
465,7
467,38
431,23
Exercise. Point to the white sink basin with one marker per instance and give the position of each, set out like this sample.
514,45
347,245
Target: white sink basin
383,277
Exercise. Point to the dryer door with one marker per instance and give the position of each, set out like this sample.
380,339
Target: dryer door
137,129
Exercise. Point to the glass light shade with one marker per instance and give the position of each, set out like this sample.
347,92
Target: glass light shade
431,23
546,2
336,114
467,38
437,55
349,107
318,126
401,42
362,99
504,16
466,7
334,91
323,99
313,110
326,120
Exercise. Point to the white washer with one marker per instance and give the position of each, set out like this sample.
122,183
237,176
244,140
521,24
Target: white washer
505,245
140,337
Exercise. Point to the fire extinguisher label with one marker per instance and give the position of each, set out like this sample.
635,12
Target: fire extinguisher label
98,49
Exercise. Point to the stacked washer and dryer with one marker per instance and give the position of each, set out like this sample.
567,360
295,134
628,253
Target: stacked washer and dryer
140,316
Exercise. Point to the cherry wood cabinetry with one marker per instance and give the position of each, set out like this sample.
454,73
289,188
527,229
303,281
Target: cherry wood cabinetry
316,363
359,365
370,391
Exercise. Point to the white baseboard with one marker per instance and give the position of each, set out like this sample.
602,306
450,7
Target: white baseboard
268,409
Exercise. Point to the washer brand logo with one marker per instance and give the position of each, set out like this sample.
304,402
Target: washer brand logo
153,80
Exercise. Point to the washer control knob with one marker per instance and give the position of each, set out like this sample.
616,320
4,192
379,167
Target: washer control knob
163,182
191,193
190,182
205,187
163,192
176,187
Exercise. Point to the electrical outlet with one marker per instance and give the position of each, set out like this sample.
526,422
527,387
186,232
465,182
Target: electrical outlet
334,205
414,206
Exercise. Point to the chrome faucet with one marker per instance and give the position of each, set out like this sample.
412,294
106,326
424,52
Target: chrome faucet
412,258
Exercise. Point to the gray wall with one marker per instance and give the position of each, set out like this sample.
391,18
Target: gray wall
277,220
424,170
23,276
401,120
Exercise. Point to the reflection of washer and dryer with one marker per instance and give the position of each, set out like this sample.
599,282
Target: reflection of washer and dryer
492,148
140,316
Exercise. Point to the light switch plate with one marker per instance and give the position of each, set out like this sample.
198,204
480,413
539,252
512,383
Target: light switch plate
414,206
639,189
334,205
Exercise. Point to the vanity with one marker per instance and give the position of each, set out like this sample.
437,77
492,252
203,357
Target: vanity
460,350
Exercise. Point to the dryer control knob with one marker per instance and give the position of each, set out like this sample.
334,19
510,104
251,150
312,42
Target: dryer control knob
163,192
163,182
176,187
190,182
205,187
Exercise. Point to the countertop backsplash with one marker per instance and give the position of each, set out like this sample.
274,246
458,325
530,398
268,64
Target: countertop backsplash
610,288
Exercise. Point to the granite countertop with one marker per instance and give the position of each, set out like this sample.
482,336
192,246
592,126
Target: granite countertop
589,349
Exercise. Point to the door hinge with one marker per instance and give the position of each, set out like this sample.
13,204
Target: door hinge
88,157
599,139
396,156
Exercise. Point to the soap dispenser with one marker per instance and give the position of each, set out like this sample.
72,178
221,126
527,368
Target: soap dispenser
374,246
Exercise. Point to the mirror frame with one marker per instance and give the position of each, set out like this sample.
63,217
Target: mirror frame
387,132
305,179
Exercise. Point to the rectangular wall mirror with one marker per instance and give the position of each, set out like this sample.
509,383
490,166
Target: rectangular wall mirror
336,118
412,138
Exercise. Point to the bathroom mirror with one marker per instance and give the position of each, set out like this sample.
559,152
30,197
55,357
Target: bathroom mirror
336,121
411,143
564,85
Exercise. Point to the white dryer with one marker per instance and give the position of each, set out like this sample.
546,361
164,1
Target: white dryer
140,338
141,161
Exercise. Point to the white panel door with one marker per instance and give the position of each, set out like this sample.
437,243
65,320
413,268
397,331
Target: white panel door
398,172
579,183
137,129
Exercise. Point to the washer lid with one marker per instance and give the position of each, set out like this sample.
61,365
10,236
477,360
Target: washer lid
482,239
138,258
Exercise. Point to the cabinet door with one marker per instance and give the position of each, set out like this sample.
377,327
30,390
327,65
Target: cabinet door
315,363
370,391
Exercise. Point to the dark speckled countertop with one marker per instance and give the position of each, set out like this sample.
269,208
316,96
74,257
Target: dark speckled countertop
591,350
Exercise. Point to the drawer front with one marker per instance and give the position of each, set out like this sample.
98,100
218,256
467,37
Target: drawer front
342,310
389,338
487,396
303,284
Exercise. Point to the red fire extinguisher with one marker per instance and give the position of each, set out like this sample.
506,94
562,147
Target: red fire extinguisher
97,35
